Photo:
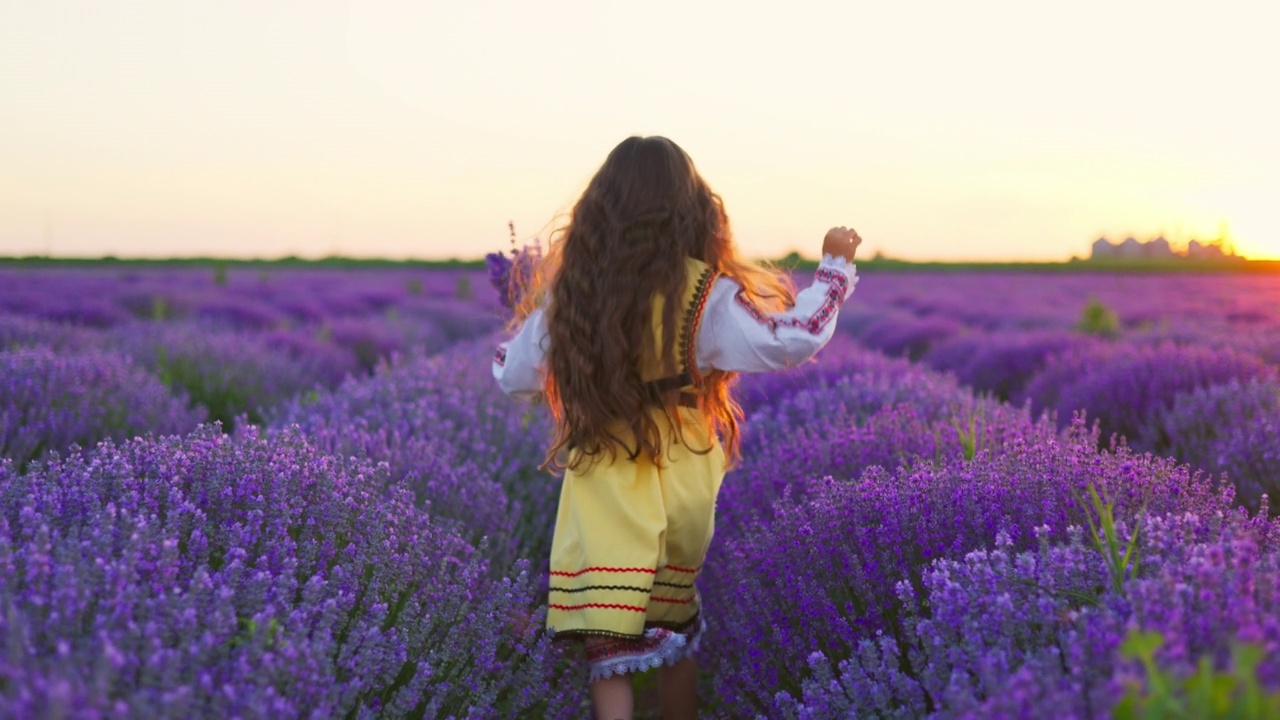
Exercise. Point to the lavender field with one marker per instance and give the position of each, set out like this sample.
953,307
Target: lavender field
299,493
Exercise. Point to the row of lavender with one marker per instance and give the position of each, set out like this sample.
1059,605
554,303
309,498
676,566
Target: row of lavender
257,573
93,353
1181,365
893,546
899,547
369,562
1184,369
249,574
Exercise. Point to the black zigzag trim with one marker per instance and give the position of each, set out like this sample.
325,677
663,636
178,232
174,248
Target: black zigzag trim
674,585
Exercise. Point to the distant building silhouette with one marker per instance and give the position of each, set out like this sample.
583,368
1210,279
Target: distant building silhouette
1130,248
1158,248
1196,249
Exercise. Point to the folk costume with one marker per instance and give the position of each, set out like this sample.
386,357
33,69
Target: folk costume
630,536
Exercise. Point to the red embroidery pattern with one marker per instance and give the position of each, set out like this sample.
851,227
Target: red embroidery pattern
673,601
625,648
837,283
651,571
563,573
612,606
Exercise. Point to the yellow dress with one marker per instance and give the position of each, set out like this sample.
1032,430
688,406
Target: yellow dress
631,537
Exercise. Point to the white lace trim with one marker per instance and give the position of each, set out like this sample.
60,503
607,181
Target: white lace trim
836,261
671,651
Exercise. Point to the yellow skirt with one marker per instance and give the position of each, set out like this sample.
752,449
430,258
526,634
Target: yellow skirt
631,537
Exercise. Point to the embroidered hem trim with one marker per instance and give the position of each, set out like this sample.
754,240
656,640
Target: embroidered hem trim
659,647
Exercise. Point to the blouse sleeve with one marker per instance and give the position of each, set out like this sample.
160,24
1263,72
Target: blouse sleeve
518,364
737,336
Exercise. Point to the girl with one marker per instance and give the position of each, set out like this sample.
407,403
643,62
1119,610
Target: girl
632,329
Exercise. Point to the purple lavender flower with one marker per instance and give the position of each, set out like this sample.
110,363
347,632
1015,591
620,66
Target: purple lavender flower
846,413
220,576
1249,456
908,335
230,372
1124,386
510,276
1003,633
1002,362
1194,427
819,574
449,434
19,331
50,401
893,544
498,266
240,313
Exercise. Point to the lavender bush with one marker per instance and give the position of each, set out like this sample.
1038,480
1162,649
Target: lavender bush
1008,301
1249,456
870,412
907,335
230,373
75,309
17,331
324,361
374,340
441,322
1228,428
219,576
450,435
1001,362
821,576
1003,633
371,313
1125,387
50,401
845,379
842,358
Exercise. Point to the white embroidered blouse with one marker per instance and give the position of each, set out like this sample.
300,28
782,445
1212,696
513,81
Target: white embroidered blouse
734,334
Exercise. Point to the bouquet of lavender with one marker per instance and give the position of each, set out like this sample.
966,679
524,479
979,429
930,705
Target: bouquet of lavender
511,275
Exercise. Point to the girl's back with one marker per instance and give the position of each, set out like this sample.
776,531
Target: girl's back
632,330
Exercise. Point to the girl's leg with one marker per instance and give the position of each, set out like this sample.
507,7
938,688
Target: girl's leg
678,688
612,699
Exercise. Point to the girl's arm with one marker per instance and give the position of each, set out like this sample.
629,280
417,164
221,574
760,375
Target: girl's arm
518,363
736,335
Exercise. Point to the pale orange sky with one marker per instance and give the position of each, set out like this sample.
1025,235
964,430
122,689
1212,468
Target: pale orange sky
980,130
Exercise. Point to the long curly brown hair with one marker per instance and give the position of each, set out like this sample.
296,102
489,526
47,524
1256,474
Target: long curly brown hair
645,210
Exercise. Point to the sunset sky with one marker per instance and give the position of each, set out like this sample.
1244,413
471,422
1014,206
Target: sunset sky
941,130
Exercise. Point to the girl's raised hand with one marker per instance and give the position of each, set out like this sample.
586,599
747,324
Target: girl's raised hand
841,242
